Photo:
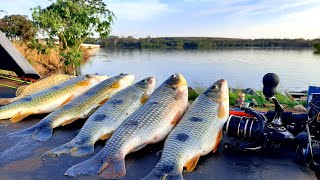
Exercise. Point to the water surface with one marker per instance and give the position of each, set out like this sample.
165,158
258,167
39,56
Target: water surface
242,68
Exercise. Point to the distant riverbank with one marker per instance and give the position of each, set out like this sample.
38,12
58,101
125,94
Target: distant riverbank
200,43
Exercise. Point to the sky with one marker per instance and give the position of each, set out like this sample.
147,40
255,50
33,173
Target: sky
203,18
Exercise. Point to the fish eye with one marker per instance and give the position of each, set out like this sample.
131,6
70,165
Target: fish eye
215,87
173,76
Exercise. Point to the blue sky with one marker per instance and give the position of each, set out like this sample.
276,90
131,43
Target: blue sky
212,18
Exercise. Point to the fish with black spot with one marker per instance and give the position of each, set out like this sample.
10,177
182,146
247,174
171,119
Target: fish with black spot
151,123
198,133
50,99
79,108
102,123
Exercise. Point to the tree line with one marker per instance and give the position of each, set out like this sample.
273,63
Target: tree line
199,42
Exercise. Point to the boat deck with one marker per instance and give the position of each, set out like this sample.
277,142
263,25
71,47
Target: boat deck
20,158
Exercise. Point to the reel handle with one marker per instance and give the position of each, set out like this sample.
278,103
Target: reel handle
270,82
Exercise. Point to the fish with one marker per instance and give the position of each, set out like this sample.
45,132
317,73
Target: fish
45,83
198,132
151,123
49,100
102,123
79,108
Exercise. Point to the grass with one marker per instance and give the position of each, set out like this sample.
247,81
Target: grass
260,98
45,64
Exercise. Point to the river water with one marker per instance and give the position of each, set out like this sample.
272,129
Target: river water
242,68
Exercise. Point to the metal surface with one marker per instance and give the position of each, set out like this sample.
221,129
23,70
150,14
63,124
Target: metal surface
12,60
25,163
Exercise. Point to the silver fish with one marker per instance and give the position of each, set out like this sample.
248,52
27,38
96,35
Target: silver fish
198,133
50,99
149,124
102,123
81,107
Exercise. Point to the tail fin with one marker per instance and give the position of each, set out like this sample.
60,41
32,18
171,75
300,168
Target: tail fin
5,101
89,167
40,132
114,169
43,133
155,175
72,149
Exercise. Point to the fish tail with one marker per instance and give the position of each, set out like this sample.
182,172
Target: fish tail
40,132
43,132
5,101
81,151
23,133
156,175
113,169
89,167
72,149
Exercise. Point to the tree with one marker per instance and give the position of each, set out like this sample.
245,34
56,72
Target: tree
72,22
17,27
317,47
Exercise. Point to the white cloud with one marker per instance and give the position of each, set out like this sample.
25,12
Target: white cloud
138,10
245,7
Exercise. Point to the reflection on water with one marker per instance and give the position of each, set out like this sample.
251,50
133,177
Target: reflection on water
241,67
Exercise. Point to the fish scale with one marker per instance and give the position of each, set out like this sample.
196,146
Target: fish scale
206,110
149,124
107,118
78,108
50,99
196,134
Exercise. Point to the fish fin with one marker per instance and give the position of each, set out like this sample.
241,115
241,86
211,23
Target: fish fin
4,101
175,177
81,151
176,118
84,83
223,110
63,149
113,169
27,132
20,89
69,121
18,117
103,101
218,139
116,84
140,147
155,175
89,167
191,164
70,98
43,133
72,149
144,98
106,136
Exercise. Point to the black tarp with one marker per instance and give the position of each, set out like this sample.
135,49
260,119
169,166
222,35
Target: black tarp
12,60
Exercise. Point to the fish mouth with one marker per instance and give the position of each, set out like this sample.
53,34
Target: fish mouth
151,80
182,81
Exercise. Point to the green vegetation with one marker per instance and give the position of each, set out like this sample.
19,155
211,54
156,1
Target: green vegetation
317,48
199,42
72,22
17,27
260,98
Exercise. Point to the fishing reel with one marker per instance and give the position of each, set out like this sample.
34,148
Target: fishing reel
256,131
308,141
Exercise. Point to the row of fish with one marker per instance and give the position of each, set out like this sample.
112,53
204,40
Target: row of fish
132,117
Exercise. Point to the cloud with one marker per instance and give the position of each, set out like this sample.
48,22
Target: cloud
264,7
140,10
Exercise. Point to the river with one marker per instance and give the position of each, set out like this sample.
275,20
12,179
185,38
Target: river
242,68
